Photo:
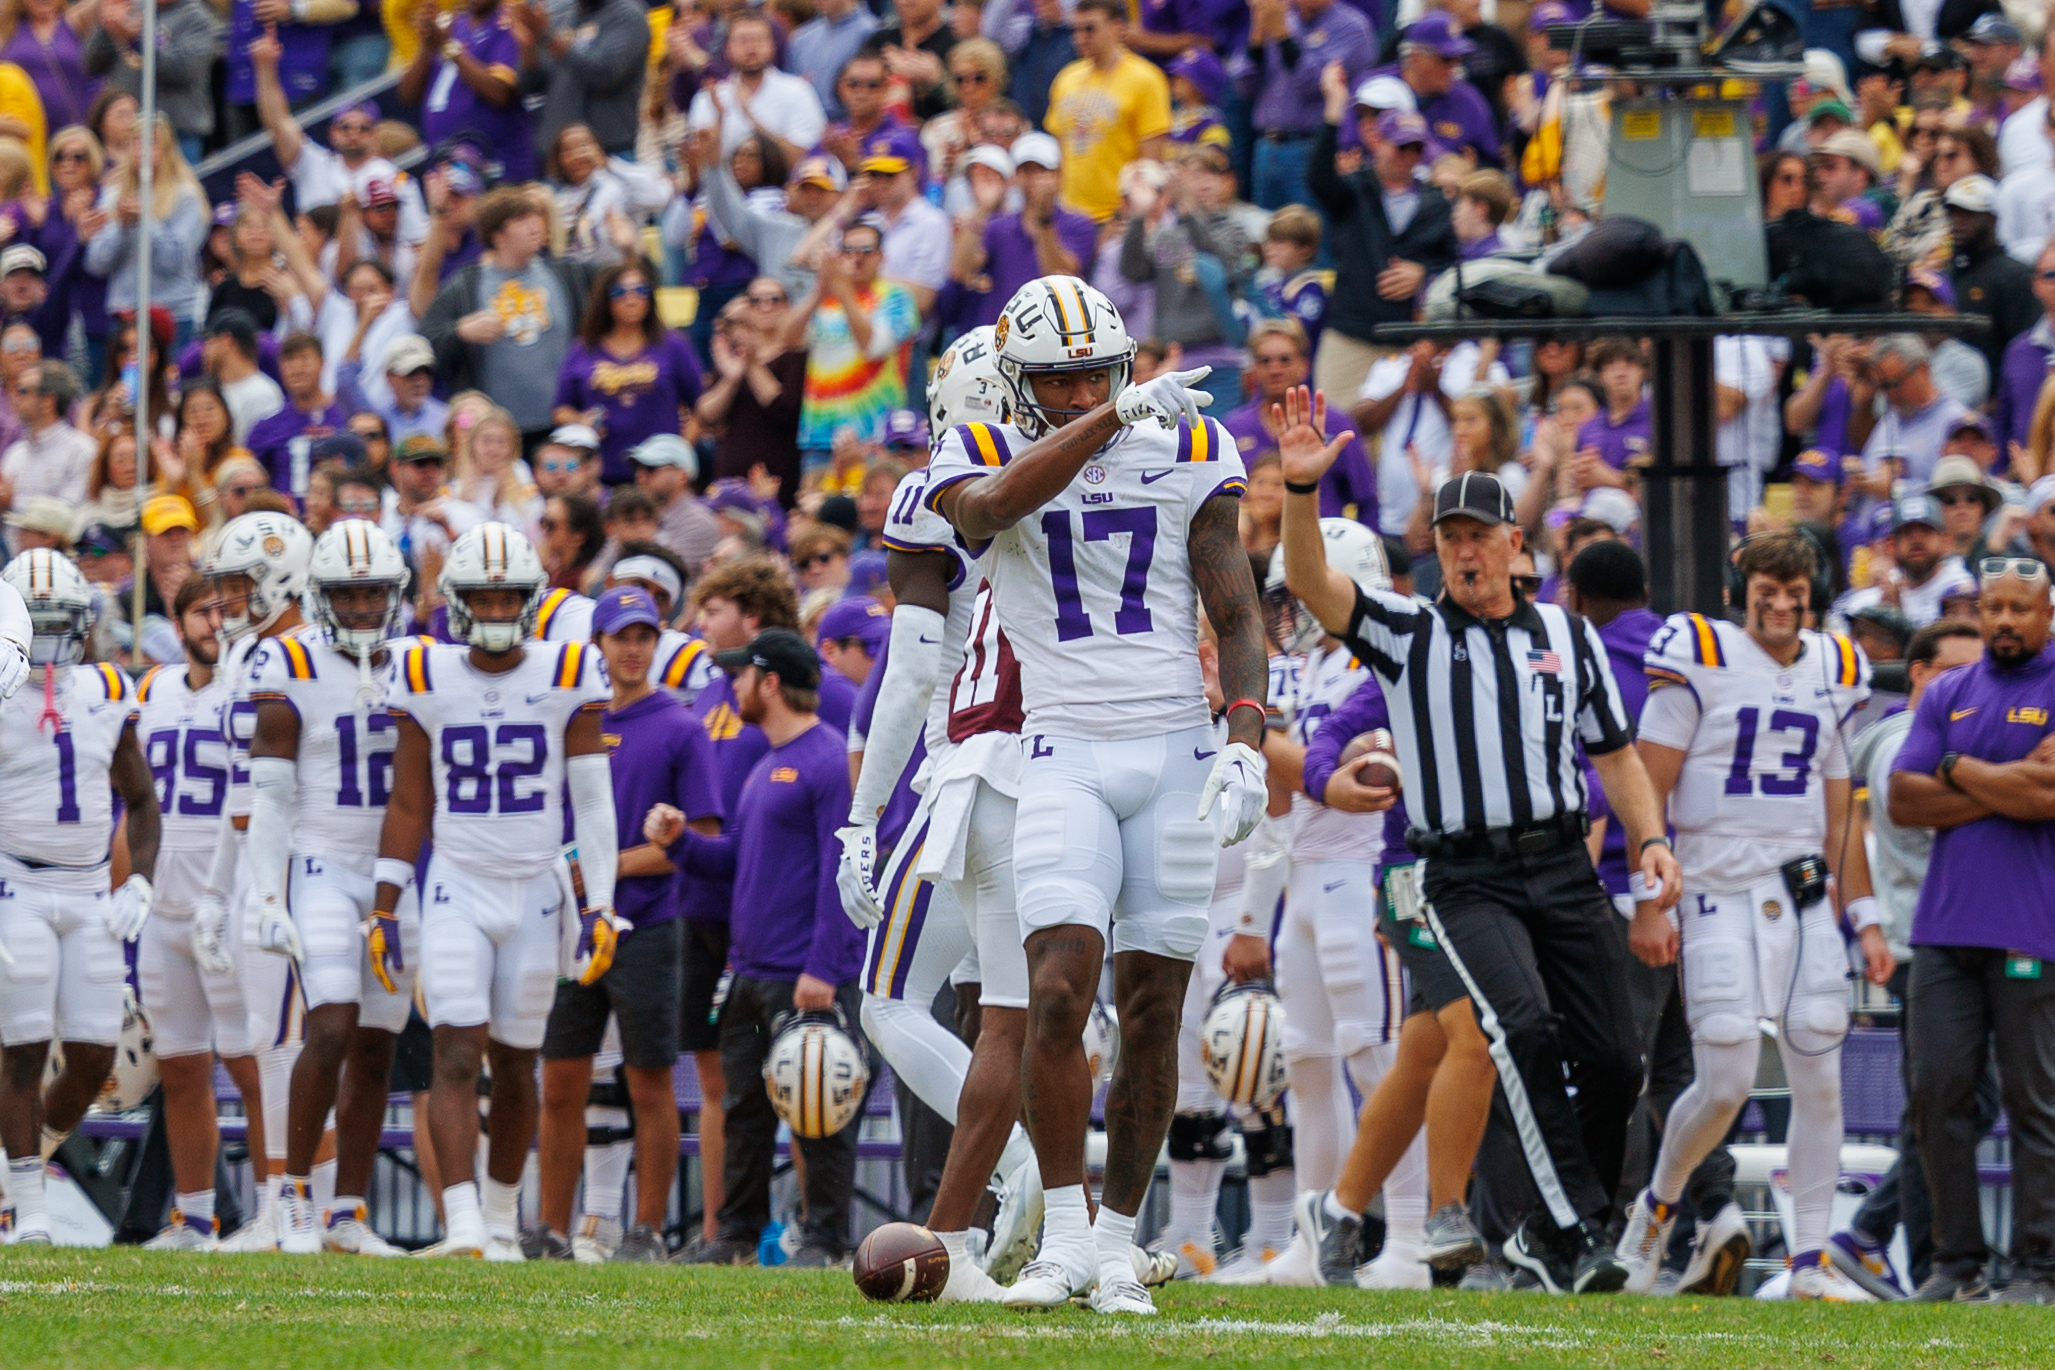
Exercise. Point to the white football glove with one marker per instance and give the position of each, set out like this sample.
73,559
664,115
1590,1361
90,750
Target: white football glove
210,933
1169,399
1237,778
129,908
856,874
14,669
276,933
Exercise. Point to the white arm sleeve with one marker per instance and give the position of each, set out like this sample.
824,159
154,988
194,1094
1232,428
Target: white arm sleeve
592,814
272,786
14,618
912,669
221,871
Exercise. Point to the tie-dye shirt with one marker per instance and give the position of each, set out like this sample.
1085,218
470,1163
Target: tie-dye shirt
853,387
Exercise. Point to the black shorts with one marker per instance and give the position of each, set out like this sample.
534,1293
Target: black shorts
640,990
706,961
1435,984
413,1060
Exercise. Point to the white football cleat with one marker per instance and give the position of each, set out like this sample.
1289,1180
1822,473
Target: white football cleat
299,1228
1247,1266
1153,1268
1044,1284
1296,1267
1718,1255
504,1250
181,1234
349,1235
253,1236
596,1240
1645,1240
1195,1262
1398,1266
1124,1296
1814,1277
1018,1225
16,1230
464,1241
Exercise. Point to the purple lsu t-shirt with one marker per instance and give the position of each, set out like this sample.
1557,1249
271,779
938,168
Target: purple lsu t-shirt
640,395
1010,261
736,748
1626,641
1990,882
302,66
1359,713
452,111
660,755
271,441
1618,443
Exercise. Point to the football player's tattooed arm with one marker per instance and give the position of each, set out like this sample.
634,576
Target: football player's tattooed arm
132,780
990,505
410,809
1227,590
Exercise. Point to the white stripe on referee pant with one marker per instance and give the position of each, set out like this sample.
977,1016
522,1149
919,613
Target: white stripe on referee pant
1539,1162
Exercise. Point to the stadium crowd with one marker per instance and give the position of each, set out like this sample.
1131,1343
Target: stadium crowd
663,294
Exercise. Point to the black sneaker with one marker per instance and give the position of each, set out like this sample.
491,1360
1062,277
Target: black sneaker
1942,1286
1536,1249
640,1245
1335,1241
1598,1268
539,1243
810,1257
720,1251
1450,1241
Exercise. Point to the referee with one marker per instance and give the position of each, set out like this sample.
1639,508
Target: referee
1489,697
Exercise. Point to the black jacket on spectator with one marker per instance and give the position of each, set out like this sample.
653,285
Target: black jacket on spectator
1364,244
456,361
1952,22
1989,281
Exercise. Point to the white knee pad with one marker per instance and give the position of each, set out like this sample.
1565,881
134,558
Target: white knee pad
1720,1000
328,917
1063,868
1817,1017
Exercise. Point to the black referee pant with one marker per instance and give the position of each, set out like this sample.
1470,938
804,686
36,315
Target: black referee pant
1538,944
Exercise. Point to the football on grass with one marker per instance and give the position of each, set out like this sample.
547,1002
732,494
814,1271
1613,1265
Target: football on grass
901,1263
1379,763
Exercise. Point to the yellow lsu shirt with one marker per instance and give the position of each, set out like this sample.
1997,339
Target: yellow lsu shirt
1102,119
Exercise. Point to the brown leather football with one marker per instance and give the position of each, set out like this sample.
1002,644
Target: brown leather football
901,1263
1380,762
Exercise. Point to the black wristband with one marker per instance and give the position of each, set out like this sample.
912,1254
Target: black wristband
1311,487
1655,841
1947,769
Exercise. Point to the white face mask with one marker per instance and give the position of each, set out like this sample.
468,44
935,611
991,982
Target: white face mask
496,637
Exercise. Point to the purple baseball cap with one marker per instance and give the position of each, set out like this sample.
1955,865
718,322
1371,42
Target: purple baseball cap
1972,422
904,428
1202,69
1437,32
368,108
892,151
1882,522
860,617
1400,127
1934,283
732,497
867,574
1816,465
224,214
2024,74
623,606
1550,14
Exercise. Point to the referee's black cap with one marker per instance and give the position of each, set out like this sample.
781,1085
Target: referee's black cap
1476,495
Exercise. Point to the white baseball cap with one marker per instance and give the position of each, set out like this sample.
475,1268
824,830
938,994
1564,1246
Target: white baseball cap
1386,92
986,155
1039,148
408,353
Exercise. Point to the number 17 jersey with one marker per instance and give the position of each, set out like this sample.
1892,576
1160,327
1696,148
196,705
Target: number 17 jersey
1095,589
496,747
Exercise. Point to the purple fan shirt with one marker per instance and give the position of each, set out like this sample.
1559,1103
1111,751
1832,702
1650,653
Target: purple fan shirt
280,442
640,396
1626,641
1622,443
451,110
660,755
1010,258
1351,480
737,747
302,66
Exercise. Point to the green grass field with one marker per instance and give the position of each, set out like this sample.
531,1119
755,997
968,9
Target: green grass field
134,1311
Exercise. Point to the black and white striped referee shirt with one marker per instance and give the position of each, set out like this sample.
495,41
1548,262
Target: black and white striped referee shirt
1487,714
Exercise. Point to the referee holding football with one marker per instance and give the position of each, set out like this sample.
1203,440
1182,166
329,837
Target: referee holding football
1489,697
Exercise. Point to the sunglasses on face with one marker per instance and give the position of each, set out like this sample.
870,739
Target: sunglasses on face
560,465
817,559
69,155
972,78
622,289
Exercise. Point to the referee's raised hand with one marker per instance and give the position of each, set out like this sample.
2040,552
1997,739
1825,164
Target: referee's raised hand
1303,449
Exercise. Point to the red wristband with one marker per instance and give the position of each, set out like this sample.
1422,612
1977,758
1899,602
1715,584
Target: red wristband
1245,704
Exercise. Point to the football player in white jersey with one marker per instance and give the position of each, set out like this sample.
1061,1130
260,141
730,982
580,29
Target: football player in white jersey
922,931
258,571
1112,511
320,767
67,745
491,732
1742,735
194,1015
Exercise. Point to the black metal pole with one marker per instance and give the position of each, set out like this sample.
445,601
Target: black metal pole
1685,488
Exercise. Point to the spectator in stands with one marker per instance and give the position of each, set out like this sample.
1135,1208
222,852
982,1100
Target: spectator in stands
820,49
321,175
1966,496
1390,233
1483,203
1046,50
1927,573
1190,258
1906,441
863,89
1958,368
567,463
409,368
626,375
572,534
1287,286
758,96
466,78
1750,439
1110,106
504,323
1292,43
48,41
51,458
177,225
768,237
665,468
2025,206
851,635
1969,771
591,58
977,76
1280,362
230,357
916,235
188,45
858,333
754,404
282,441
916,51
2024,367
1987,280
489,475
998,253
1431,54
1843,171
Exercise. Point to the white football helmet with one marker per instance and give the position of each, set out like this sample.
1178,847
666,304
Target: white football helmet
60,605
1058,323
1102,1042
134,1073
272,550
816,1073
967,387
1243,1043
1357,552
356,552
492,556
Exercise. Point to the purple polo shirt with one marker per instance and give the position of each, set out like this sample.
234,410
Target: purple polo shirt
737,746
1010,257
1460,118
1290,101
641,396
1619,442
1626,641
451,109
1351,480
302,66
2021,373
1831,433
281,441
1359,713
1991,882
660,755
58,71
781,853
1225,22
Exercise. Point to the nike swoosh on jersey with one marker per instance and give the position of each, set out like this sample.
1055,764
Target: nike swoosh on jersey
1151,477
931,641
1957,714
537,699
1330,889
1198,755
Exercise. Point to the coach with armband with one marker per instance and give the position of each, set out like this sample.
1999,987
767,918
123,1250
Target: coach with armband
1490,695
